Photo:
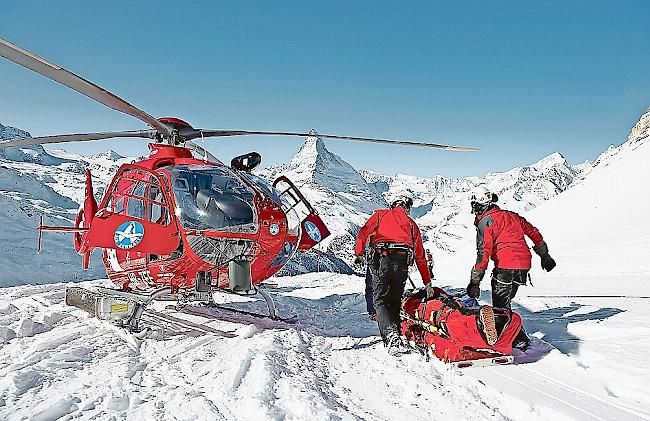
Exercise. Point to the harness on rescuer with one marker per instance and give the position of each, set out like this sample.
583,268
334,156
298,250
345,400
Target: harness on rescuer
393,232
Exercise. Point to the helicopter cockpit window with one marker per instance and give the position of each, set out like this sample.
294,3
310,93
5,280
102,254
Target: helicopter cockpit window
137,194
267,190
210,197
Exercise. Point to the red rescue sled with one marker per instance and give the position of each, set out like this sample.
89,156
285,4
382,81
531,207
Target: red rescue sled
452,331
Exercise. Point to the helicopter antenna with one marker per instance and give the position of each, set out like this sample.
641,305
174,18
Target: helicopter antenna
205,155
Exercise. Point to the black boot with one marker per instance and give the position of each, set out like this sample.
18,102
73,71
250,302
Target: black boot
522,341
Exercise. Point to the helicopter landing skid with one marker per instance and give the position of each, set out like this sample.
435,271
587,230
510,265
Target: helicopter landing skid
121,308
292,319
273,314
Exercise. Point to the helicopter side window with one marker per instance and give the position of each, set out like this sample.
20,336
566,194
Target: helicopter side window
116,204
158,212
135,208
138,195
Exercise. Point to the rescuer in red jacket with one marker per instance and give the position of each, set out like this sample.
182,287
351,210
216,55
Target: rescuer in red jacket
500,237
395,241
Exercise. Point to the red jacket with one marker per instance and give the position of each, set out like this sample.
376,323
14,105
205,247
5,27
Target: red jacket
394,226
500,236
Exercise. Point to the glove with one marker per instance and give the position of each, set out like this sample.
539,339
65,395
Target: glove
473,291
475,278
547,261
358,260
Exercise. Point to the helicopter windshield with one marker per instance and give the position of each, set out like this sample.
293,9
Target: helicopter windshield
211,198
265,188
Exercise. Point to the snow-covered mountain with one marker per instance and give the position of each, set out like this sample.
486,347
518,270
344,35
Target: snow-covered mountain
346,197
340,194
35,183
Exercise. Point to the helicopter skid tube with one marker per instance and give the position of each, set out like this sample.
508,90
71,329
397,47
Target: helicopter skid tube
273,315
269,302
121,308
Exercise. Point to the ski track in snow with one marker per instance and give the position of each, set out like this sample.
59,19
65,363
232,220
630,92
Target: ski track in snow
203,363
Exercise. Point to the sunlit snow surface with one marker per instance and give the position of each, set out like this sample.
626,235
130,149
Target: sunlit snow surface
212,364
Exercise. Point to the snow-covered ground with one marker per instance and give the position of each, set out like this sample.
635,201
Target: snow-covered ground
213,364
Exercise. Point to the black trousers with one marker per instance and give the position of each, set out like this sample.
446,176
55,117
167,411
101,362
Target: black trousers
505,283
370,306
389,274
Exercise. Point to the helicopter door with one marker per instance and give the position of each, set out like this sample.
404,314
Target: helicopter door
135,215
313,229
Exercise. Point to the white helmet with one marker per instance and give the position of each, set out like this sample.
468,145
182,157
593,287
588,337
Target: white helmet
402,200
481,199
481,195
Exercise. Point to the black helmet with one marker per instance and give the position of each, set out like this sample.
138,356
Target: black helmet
402,200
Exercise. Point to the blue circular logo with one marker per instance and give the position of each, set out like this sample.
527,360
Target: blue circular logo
128,235
274,229
312,231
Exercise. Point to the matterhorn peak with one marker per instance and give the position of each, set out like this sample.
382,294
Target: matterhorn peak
110,155
550,161
315,165
310,151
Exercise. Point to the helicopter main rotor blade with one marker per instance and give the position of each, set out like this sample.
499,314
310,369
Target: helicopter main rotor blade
79,137
64,77
224,133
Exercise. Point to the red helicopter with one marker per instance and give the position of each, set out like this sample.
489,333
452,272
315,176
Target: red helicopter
180,224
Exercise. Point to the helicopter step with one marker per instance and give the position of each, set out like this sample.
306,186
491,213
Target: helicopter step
123,309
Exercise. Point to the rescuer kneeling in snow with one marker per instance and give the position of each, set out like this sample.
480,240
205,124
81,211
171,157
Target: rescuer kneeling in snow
395,241
500,236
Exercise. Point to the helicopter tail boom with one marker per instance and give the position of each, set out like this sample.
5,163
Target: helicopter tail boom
41,228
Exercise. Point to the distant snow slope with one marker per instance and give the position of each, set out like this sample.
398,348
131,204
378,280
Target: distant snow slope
600,225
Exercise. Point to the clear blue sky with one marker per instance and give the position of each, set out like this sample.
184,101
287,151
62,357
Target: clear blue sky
519,80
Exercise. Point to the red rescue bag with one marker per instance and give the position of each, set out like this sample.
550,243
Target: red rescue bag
452,330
